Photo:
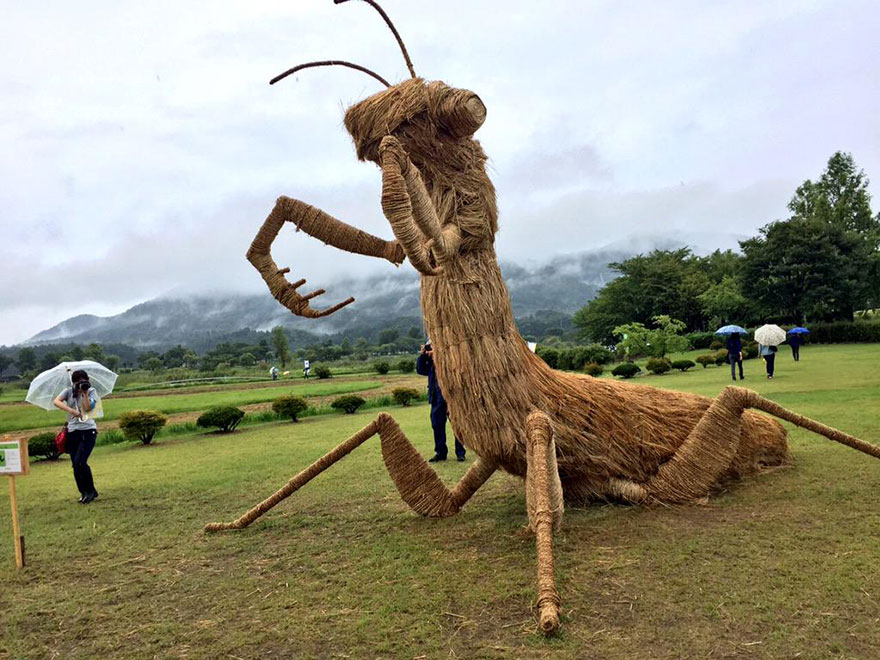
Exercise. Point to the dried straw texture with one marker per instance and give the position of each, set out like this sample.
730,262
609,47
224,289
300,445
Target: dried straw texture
544,503
418,485
325,228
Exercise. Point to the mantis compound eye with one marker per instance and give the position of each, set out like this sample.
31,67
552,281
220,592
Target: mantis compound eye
459,111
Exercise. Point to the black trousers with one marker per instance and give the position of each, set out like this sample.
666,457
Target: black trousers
796,352
80,445
770,360
734,360
439,413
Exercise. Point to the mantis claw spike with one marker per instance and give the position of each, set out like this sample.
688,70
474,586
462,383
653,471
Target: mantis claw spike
314,294
283,271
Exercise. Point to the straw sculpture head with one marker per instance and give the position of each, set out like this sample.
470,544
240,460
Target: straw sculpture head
570,437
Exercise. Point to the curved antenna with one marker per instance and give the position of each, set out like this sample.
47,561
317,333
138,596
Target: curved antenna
309,65
375,5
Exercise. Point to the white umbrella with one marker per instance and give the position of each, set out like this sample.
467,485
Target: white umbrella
49,384
770,335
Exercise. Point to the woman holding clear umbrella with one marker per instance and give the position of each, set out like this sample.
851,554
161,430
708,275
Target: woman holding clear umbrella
78,401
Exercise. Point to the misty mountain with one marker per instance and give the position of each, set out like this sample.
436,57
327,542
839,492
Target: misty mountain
201,321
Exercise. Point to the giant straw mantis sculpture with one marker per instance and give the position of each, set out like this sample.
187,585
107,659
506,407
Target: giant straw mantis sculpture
571,437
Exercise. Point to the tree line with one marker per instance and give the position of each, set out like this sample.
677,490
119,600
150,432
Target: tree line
822,263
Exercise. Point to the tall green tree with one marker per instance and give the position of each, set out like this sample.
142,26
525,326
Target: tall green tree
823,263
281,344
27,359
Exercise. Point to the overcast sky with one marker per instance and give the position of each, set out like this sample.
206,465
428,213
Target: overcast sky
143,146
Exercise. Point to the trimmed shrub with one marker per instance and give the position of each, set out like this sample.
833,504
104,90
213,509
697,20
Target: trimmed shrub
404,395
382,368
597,354
223,418
43,446
840,332
658,366
626,370
701,339
750,350
348,403
683,365
406,366
322,371
141,424
593,369
715,345
720,357
549,355
288,405
706,360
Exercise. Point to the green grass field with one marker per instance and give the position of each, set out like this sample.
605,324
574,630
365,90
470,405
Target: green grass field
26,416
783,565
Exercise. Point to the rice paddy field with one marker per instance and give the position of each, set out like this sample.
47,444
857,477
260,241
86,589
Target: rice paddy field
783,565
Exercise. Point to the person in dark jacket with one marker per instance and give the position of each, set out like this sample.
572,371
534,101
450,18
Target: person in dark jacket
794,340
735,355
439,411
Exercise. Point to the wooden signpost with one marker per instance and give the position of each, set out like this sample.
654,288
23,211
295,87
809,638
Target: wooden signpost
13,461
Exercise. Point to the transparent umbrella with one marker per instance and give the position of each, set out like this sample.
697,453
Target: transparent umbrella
49,384
770,335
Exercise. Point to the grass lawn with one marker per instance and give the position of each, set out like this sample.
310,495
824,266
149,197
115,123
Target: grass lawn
26,416
782,566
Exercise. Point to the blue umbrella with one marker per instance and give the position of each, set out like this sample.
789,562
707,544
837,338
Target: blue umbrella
730,329
798,331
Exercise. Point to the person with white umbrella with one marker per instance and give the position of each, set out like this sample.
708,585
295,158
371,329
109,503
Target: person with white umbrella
769,337
78,401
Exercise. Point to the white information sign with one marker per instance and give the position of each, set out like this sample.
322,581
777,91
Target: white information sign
12,460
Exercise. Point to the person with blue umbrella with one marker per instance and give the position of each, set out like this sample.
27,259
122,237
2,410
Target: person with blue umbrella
795,339
734,348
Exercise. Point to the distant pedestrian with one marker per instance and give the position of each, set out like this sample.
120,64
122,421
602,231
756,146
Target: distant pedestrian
735,355
795,341
274,373
768,353
307,368
439,411
78,401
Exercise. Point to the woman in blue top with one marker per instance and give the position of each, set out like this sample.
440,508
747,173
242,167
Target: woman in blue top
769,355
735,354
77,401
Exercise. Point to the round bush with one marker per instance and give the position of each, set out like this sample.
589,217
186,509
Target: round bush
593,369
683,365
706,360
288,405
715,345
549,355
348,403
658,366
382,368
750,351
626,370
596,353
720,357
43,446
322,371
404,395
406,366
141,424
223,418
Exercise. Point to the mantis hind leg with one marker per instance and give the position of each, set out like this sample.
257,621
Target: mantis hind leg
705,455
418,485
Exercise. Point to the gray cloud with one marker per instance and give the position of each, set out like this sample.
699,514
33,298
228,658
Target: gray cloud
143,145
